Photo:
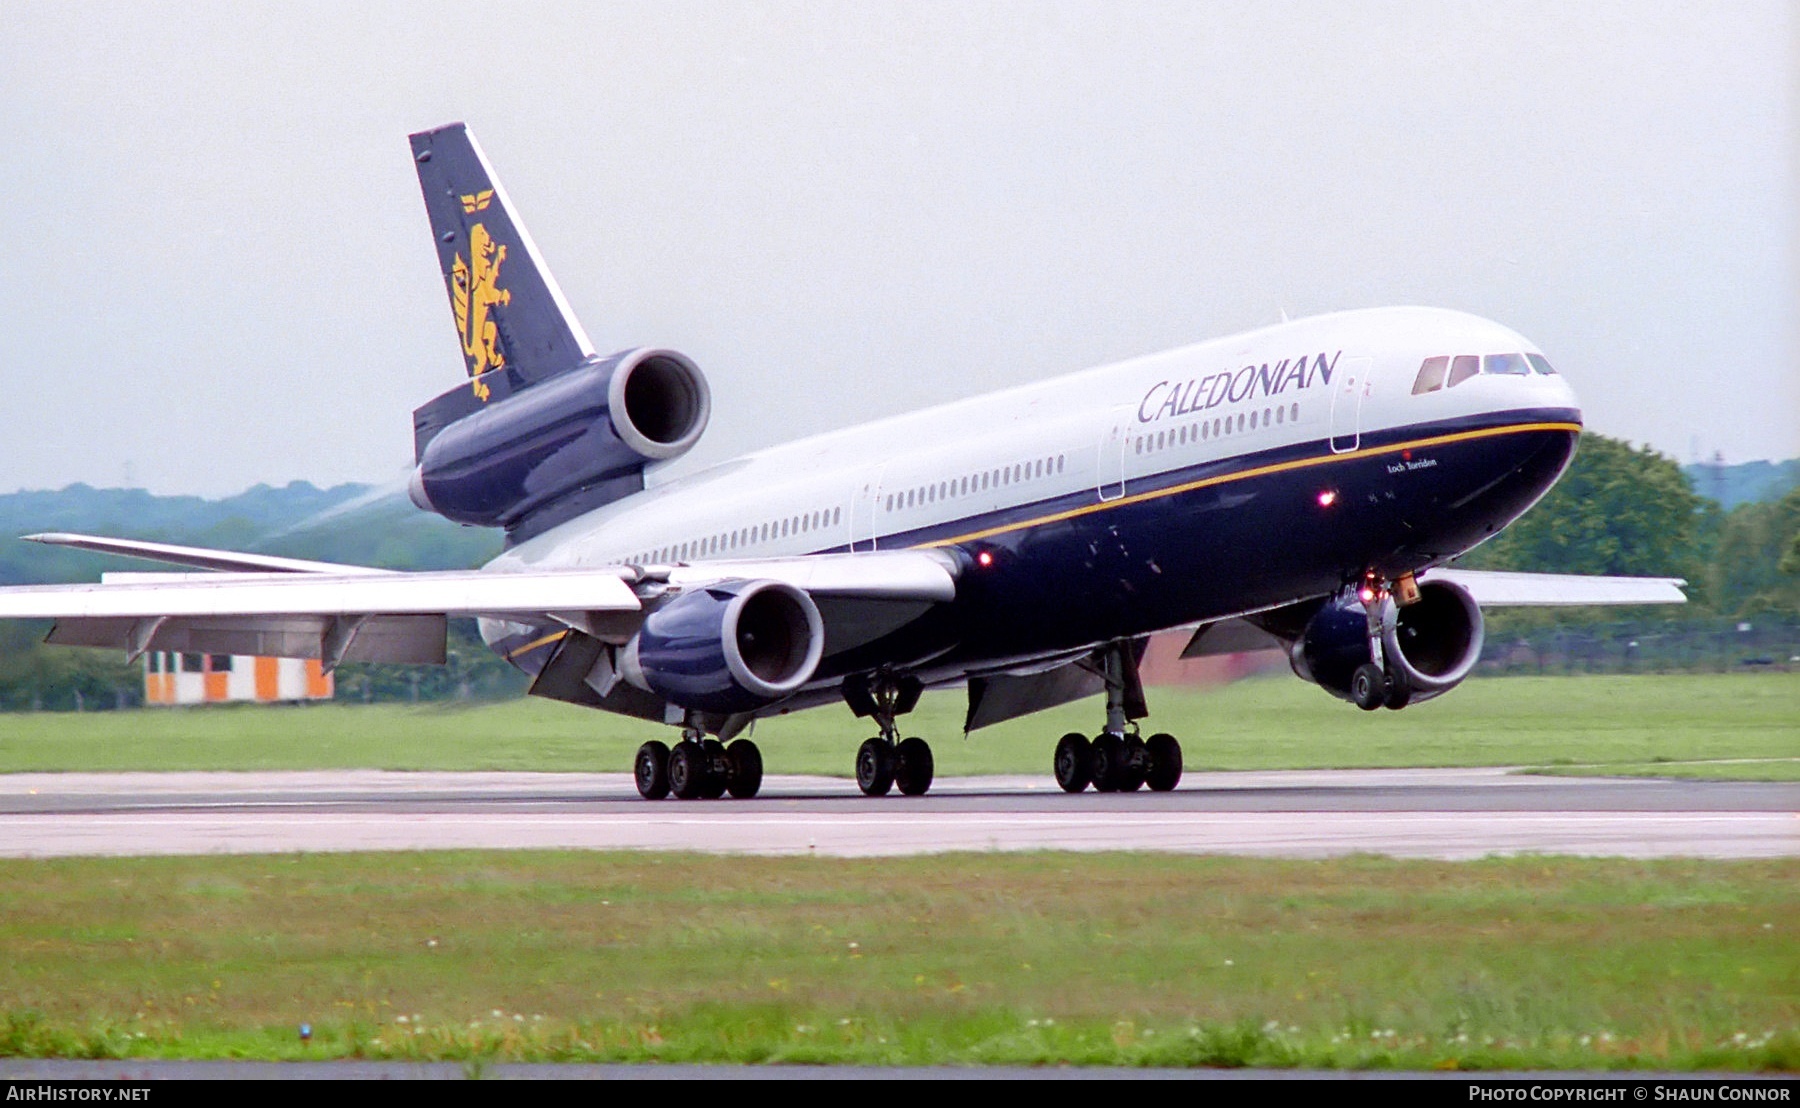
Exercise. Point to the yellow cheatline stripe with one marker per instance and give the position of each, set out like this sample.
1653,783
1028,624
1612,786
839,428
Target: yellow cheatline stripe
535,643
1139,498
1259,471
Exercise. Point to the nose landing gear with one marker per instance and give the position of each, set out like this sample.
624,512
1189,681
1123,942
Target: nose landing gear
1376,683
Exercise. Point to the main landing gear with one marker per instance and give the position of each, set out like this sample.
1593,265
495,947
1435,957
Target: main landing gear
698,768
1117,760
1376,683
887,759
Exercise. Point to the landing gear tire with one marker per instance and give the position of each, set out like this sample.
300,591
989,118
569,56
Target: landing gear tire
1074,755
687,770
651,768
1396,692
1165,763
1106,762
743,775
913,766
1136,767
717,774
1368,686
875,767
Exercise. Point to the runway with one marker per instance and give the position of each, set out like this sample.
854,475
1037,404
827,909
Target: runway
1413,813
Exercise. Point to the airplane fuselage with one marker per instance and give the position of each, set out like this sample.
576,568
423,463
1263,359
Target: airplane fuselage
1228,477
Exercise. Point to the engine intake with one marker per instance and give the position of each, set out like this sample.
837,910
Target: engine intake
1436,640
730,647
586,433
1433,643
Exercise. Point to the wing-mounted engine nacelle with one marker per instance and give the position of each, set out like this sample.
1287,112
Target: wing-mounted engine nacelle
591,431
1433,643
730,647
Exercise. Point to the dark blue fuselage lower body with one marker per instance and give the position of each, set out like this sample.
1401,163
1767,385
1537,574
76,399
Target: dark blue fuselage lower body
1209,541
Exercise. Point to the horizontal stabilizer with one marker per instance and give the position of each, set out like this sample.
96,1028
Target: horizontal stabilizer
1495,589
197,557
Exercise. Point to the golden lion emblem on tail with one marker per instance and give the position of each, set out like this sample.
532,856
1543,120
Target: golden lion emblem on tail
474,292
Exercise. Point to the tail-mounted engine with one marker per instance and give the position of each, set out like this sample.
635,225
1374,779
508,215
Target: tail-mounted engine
494,457
1429,645
730,647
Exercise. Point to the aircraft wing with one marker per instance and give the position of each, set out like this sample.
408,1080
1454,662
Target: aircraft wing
298,609
1496,589
362,617
905,575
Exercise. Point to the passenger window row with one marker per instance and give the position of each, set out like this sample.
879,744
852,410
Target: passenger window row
1216,428
1447,372
974,482
727,541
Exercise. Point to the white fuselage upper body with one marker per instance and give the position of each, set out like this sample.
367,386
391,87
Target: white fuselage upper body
916,479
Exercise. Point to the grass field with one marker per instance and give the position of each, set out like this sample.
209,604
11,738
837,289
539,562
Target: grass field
1585,724
1724,769
1111,959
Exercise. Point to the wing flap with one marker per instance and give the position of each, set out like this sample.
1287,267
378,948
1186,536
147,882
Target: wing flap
415,639
1229,636
1497,589
1002,697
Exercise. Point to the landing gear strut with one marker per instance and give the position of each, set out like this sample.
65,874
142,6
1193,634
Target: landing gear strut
1117,759
887,759
698,768
1376,683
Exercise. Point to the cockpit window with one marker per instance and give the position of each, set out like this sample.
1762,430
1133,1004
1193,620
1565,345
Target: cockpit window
1431,376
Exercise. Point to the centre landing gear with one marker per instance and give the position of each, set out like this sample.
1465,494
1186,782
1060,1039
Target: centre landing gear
888,760
1375,683
1117,760
698,768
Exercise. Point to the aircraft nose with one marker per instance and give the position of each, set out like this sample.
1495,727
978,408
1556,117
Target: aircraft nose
1561,394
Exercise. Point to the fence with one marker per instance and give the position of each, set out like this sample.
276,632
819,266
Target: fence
1646,646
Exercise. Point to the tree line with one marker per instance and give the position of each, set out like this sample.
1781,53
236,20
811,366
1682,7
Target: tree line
1632,511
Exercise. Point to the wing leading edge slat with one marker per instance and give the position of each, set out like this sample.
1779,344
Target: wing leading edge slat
453,593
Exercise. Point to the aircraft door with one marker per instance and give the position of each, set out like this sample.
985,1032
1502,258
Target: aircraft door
865,510
1347,394
1115,437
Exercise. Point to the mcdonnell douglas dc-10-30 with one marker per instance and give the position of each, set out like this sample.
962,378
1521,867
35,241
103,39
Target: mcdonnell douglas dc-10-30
1303,486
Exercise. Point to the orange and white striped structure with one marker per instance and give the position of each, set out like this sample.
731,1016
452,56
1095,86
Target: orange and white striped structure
171,678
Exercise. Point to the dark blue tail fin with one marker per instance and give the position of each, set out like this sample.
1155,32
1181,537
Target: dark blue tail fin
511,318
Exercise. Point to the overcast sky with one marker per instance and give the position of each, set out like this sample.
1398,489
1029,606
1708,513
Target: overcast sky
218,271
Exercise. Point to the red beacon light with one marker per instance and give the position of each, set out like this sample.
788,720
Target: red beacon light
985,558
1327,498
